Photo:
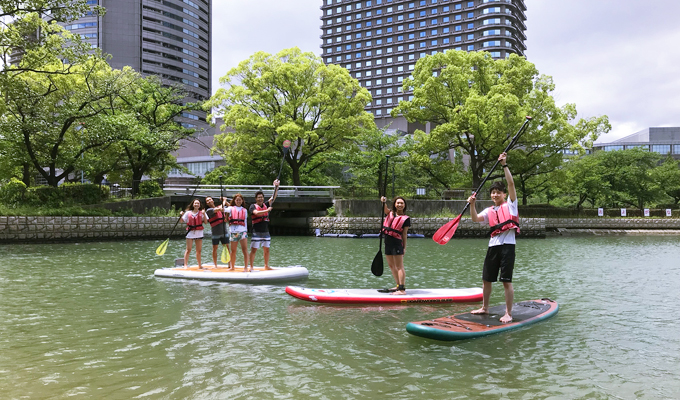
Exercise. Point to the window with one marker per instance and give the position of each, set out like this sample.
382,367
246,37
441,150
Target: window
400,58
433,22
378,81
496,54
470,36
378,92
388,80
411,56
661,148
411,46
411,36
433,11
389,60
411,15
458,28
613,148
445,41
378,112
434,42
433,32
470,25
458,39
471,47
422,34
400,17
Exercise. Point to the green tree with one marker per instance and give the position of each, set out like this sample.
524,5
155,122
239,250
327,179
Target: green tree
291,95
50,121
631,176
151,131
477,104
668,176
586,179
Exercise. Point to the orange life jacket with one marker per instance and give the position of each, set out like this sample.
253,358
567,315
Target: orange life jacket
217,218
394,225
500,220
195,222
261,217
237,217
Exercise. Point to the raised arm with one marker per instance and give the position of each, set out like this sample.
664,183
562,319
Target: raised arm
386,210
276,192
473,210
512,193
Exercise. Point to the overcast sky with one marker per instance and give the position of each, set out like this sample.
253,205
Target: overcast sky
617,58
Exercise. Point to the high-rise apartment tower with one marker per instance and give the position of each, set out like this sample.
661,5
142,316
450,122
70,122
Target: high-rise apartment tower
379,41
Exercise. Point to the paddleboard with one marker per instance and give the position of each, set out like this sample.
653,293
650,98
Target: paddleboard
372,296
237,275
466,326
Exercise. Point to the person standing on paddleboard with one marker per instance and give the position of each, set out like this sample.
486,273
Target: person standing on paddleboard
395,229
238,230
194,218
503,219
219,227
260,216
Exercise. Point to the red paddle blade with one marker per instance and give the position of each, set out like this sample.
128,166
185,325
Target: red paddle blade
445,233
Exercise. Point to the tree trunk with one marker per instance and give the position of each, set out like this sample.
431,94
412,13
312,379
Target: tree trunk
26,174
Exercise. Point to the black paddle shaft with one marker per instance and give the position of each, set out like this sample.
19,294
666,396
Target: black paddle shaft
377,265
512,143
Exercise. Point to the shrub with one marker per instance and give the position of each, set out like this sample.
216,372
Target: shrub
13,192
150,189
84,193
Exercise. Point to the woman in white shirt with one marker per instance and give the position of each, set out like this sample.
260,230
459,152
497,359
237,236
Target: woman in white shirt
194,218
238,230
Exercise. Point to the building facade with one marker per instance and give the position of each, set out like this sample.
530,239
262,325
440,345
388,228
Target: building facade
662,140
379,41
167,38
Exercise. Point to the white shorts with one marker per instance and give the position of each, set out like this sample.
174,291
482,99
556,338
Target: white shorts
260,239
195,234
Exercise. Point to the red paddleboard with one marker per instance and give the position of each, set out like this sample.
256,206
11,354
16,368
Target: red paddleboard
372,296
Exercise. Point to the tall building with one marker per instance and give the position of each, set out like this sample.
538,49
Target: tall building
167,38
379,41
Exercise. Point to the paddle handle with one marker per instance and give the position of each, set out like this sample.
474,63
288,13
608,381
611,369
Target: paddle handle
512,143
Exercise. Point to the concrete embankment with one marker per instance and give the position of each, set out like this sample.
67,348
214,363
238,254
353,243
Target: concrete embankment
53,229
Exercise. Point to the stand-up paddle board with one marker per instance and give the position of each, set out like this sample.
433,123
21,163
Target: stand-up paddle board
222,273
373,296
466,326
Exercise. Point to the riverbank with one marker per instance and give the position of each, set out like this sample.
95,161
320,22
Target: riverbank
15,229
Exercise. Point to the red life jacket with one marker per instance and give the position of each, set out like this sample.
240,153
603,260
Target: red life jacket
500,220
217,218
262,217
237,217
394,224
195,222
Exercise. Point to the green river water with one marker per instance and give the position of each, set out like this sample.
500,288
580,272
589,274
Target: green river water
90,321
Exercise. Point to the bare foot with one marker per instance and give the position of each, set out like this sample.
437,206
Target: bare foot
267,268
399,293
506,318
480,311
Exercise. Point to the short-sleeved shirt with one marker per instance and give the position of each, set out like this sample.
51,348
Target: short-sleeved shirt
506,237
261,226
219,229
238,228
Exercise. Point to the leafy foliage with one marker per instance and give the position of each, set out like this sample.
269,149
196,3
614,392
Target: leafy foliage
289,96
478,103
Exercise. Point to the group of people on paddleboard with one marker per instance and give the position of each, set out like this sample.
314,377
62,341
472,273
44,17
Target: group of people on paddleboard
503,220
229,226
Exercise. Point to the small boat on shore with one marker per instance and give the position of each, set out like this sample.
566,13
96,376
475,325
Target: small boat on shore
222,273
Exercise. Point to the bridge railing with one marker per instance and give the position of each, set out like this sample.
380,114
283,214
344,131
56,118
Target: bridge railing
250,190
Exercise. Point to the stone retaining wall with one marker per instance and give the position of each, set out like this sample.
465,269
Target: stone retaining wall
19,229
48,229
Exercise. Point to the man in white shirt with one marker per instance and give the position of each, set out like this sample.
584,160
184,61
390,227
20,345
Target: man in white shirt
500,257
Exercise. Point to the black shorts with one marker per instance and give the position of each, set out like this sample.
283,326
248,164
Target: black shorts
221,238
499,258
393,246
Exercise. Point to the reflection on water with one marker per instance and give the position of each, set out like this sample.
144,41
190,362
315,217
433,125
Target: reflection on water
89,320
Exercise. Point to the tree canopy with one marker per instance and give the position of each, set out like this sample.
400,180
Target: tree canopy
477,104
289,96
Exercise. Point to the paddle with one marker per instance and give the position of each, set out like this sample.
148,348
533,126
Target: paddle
164,246
286,147
224,257
377,265
446,232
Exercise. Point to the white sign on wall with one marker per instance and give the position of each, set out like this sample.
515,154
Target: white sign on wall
669,213
420,191
646,212
623,212
600,212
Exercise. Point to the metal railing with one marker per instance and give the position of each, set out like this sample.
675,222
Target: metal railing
250,190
